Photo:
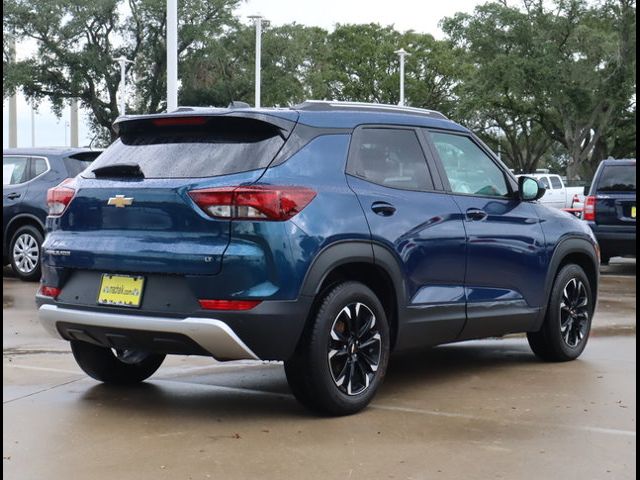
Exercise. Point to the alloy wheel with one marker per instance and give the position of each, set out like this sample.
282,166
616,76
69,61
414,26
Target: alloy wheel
355,348
574,312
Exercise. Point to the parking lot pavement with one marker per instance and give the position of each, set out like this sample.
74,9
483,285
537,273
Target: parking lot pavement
484,409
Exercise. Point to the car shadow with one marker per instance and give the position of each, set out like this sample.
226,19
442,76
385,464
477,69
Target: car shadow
262,392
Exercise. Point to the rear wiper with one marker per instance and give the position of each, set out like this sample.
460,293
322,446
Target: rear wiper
119,170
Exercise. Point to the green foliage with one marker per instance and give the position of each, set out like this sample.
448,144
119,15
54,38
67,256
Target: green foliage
78,41
545,82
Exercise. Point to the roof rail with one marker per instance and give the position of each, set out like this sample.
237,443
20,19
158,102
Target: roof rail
328,105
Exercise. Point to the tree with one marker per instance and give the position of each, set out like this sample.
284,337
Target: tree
78,40
293,65
587,76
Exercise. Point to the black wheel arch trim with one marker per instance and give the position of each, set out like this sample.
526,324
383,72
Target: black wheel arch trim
357,251
21,216
352,251
566,247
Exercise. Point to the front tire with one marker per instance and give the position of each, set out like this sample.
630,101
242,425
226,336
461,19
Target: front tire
567,324
343,355
119,367
25,253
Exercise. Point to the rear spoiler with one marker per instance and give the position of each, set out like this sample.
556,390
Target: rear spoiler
190,118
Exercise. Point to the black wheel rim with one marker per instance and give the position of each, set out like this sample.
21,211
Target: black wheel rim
355,348
574,312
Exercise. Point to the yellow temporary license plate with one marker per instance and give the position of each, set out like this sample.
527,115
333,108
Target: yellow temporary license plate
121,290
633,212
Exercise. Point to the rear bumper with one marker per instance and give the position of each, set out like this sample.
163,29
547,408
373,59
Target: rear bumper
271,331
212,335
614,239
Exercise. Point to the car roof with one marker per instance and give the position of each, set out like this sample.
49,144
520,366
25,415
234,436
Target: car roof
48,151
620,161
324,114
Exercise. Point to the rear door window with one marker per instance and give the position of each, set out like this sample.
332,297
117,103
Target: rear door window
556,183
390,157
618,178
221,147
15,170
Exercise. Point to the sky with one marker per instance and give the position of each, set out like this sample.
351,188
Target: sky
419,15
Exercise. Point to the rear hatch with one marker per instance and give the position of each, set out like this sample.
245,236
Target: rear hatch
615,192
132,211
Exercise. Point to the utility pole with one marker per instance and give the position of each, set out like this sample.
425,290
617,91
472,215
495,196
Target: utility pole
401,54
257,21
123,84
13,104
74,122
172,55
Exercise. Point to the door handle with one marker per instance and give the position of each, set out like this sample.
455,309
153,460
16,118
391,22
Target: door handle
476,215
13,196
383,209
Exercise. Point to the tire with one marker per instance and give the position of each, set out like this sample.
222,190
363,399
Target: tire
102,364
25,253
334,371
567,324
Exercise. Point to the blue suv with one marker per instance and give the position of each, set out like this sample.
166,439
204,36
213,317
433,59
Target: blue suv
325,235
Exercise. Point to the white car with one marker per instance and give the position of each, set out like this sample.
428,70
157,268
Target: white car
558,195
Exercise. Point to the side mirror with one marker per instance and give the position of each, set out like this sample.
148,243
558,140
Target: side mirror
587,189
529,189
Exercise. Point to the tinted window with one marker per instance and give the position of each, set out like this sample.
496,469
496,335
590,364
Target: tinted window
468,168
618,178
39,166
392,158
14,170
556,183
225,146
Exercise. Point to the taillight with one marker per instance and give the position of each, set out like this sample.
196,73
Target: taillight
228,304
253,202
590,209
58,198
52,292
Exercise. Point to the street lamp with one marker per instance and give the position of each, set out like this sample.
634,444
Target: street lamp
122,60
401,54
257,21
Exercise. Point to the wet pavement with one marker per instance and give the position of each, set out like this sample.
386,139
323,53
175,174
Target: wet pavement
484,409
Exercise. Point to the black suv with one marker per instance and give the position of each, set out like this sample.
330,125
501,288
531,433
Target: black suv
27,174
610,208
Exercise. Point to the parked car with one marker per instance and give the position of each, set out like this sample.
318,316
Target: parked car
27,174
326,235
558,194
610,208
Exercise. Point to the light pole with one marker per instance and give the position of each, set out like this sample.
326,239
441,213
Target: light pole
257,21
401,54
172,55
123,70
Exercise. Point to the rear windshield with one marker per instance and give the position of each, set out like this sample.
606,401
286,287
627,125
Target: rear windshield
618,178
218,149
77,163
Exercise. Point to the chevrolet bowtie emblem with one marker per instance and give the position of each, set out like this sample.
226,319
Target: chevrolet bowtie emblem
120,201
